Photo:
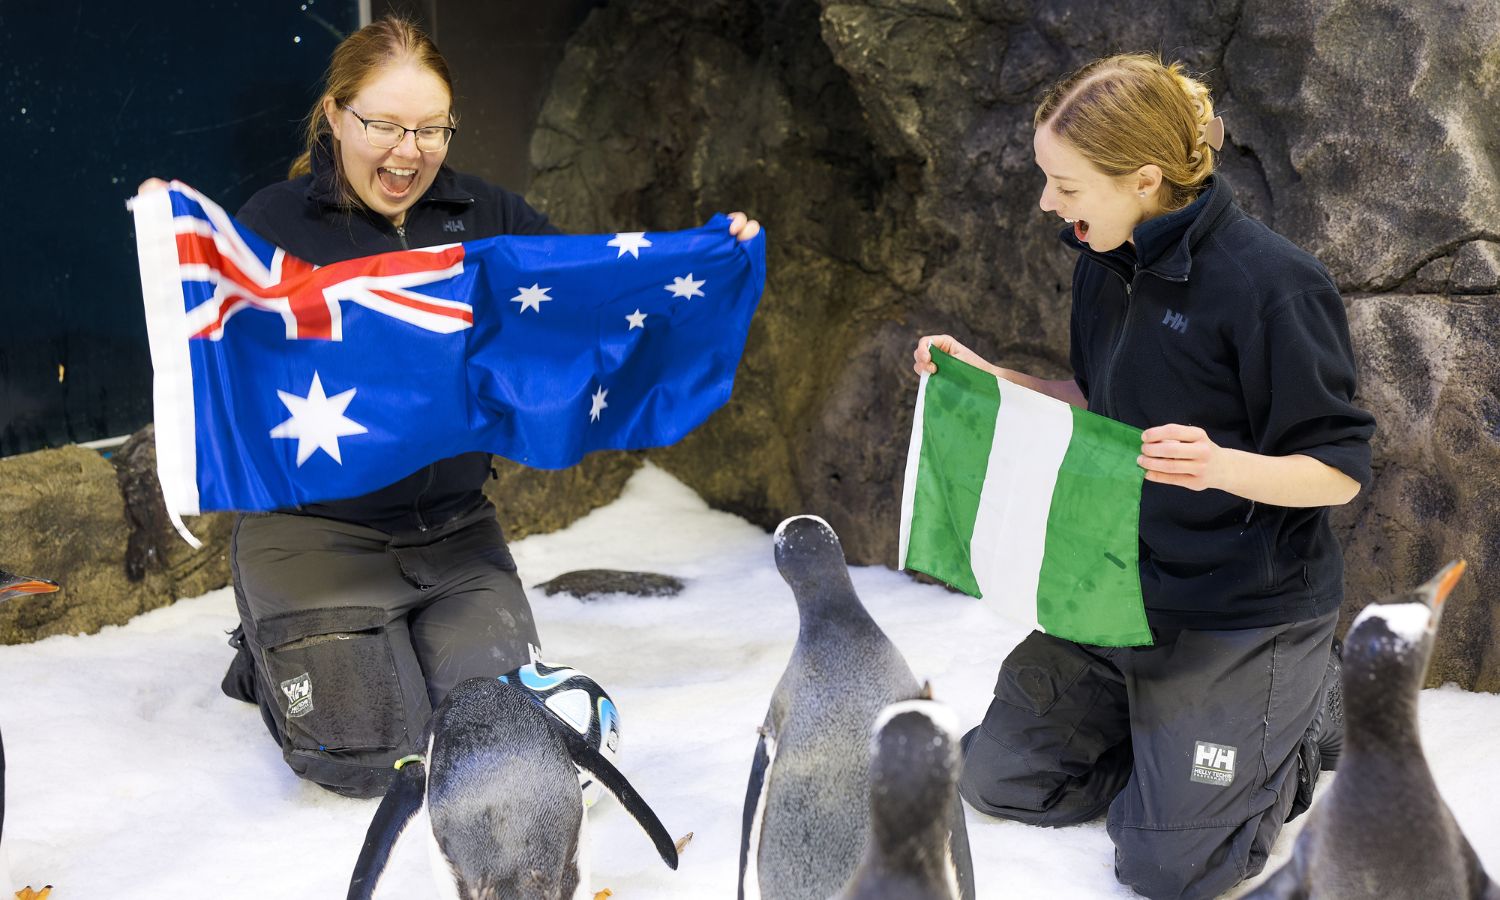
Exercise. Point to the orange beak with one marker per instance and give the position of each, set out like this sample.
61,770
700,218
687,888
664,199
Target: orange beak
1446,580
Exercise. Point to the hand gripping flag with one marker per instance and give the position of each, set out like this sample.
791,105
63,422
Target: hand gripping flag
1027,502
280,383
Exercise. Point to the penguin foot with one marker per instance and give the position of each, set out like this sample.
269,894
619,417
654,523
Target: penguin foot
26,893
604,894
683,841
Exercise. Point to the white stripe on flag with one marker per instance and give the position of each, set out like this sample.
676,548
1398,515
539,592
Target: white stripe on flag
913,463
166,327
1032,432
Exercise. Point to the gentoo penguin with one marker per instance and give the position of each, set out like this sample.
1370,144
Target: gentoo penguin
503,800
914,761
1382,831
12,586
806,815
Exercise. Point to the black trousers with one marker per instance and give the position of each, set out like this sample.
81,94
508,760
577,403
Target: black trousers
1192,745
356,637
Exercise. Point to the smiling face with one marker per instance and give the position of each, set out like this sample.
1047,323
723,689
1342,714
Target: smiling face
1104,209
390,181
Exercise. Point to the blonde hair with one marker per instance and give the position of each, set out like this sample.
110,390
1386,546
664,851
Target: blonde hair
386,41
1123,112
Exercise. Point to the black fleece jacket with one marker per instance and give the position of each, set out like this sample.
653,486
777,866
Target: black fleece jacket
1214,320
305,217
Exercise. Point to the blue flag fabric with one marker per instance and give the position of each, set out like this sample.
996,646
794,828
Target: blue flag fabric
279,383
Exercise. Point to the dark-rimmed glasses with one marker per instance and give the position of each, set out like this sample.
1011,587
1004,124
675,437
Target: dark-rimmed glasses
384,135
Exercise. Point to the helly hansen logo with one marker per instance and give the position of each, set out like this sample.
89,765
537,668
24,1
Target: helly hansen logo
1175,321
453,225
1213,764
298,692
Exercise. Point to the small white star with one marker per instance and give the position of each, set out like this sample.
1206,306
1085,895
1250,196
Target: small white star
317,421
531,297
686,287
599,404
636,319
630,242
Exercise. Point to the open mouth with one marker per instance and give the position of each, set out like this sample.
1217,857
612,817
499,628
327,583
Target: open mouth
1080,228
396,181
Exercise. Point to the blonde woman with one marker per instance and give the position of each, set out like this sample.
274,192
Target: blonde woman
1230,347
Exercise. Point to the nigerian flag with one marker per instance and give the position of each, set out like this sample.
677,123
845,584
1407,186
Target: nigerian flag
1028,502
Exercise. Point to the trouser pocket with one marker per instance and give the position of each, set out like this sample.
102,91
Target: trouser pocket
335,680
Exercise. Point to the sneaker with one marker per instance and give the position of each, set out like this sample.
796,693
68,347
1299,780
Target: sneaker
1323,743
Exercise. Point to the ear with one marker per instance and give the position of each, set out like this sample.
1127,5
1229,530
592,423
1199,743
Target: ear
1148,178
331,113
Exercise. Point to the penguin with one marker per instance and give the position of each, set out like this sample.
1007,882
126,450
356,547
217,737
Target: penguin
806,815
1382,831
503,800
914,761
12,586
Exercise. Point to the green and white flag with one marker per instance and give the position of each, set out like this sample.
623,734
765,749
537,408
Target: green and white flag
1027,502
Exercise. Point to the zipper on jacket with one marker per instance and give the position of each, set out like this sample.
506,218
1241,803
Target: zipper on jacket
416,505
1114,355
401,236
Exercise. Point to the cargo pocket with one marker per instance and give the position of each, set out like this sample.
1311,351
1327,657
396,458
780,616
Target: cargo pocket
335,680
1038,672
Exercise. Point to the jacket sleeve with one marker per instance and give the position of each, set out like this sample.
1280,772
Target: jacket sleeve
1298,377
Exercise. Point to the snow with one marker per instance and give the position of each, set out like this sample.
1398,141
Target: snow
1407,621
131,776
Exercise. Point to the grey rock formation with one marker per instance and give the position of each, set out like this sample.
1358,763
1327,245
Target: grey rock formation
594,584
887,148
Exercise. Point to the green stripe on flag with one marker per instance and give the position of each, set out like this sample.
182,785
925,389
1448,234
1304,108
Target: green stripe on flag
951,472
1090,585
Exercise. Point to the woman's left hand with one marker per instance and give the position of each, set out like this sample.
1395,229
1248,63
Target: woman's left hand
742,226
1183,455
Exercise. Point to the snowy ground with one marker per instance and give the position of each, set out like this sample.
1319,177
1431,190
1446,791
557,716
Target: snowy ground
131,776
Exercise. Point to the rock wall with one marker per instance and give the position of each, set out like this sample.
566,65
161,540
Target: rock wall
887,148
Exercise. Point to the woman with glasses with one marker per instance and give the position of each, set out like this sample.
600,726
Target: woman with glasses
359,615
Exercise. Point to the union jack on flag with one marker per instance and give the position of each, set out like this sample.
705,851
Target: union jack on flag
281,383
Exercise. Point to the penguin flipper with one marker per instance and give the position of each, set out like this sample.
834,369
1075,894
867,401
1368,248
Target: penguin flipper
616,783
759,768
395,812
1285,884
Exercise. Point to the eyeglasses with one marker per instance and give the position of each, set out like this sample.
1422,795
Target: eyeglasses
388,135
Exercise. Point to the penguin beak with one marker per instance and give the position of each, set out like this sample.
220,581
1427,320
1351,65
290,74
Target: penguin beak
30,586
1436,591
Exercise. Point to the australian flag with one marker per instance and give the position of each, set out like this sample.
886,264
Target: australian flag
280,383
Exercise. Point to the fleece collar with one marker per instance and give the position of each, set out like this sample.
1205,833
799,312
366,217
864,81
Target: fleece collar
1164,245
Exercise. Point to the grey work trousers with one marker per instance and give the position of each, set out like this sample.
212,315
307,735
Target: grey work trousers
357,636
1193,745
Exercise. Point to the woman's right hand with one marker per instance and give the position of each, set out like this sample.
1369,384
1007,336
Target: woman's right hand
923,364
150,184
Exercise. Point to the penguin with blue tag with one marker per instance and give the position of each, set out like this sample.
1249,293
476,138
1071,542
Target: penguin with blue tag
501,785
1382,832
807,805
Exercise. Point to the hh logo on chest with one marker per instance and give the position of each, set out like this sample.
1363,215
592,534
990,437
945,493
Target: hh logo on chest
453,225
1213,763
1175,321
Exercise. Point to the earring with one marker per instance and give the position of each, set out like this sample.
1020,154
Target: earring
1143,193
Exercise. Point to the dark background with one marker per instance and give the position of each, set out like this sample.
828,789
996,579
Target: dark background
95,97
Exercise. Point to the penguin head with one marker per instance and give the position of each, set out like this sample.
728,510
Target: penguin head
1390,641
809,555
20,586
914,762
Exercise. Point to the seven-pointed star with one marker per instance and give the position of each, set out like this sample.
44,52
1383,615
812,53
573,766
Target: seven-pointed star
686,287
636,319
531,297
599,404
630,242
317,421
